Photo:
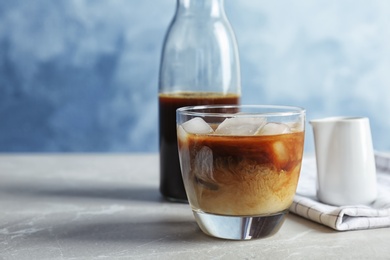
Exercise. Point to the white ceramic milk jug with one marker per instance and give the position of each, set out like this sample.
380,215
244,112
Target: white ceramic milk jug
346,173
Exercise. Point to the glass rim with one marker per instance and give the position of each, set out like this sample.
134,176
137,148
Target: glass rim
274,110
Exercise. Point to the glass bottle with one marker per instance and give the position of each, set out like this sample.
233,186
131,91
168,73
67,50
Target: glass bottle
199,66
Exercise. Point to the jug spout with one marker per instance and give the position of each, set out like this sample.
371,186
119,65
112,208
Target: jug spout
314,122
323,122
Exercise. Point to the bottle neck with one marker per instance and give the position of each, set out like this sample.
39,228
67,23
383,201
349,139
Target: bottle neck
210,8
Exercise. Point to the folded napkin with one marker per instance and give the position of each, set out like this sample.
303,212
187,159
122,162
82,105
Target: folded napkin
343,218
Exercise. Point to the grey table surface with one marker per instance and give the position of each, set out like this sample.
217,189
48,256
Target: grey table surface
107,206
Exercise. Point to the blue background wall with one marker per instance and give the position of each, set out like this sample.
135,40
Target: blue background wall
81,75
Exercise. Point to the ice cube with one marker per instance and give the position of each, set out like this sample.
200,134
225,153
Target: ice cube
204,169
240,126
274,129
181,134
197,126
295,126
281,154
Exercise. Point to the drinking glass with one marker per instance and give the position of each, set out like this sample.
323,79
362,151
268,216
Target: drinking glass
240,166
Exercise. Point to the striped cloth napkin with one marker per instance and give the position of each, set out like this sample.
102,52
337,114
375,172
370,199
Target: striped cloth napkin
353,217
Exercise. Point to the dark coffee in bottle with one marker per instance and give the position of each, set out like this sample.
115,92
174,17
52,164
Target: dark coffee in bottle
171,182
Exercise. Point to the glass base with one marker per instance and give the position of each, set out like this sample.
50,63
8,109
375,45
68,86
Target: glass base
240,227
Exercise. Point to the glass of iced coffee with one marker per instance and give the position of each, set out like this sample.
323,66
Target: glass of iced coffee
240,166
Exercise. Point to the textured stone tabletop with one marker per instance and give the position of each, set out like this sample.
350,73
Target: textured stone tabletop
98,206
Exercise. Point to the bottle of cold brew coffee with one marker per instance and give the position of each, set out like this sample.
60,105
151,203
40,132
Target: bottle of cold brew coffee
199,66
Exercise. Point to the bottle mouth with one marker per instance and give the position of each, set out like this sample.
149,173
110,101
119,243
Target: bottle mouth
209,8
